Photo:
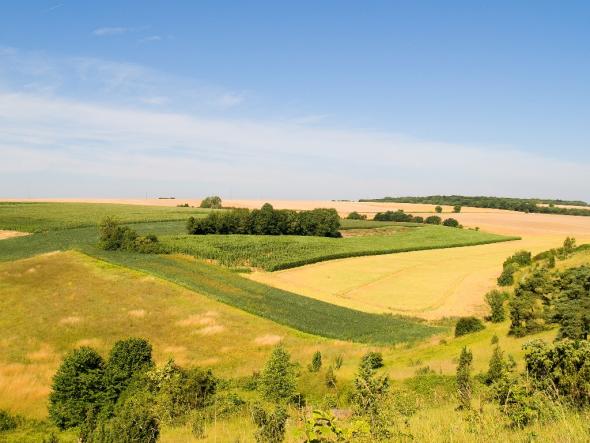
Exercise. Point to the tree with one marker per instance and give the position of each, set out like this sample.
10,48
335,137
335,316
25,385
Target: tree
495,300
127,358
468,325
457,209
569,244
77,388
316,362
369,394
506,278
277,380
464,383
498,367
451,222
438,209
212,202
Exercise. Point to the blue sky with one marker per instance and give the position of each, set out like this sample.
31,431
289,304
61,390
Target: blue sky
328,99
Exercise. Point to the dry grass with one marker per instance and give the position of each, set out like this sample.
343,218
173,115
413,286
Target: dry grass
11,234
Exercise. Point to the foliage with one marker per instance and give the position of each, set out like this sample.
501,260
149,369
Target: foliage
495,300
519,258
113,236
457,209
338,361
506,278
468,325
277,380
561,369
433,220
271,425
499,367
316,362
395,216
178,391
211,202
321,427
519,401
451,222
356,216
7,421
438,209
372,360
77,387
368,399
464,382
513,204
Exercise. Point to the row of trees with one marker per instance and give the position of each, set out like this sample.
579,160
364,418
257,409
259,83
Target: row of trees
268,221
114,236
513,204
401,216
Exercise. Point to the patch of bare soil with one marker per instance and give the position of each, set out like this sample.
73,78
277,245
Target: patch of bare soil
11,234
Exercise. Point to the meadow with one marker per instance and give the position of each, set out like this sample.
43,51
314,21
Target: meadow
273,253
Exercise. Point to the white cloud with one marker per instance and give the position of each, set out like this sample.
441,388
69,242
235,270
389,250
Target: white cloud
255,158
108,31
229,100
151,38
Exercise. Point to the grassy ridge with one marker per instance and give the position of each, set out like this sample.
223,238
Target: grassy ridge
281,252
39,217
302,313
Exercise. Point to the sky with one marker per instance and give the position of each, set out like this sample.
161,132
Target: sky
295,100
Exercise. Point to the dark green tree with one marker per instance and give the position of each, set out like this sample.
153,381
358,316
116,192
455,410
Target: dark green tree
464,382
438,209
316,362
277,380
495,300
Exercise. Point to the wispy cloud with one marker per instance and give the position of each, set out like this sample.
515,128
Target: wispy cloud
41,135
151,38
229,100
109,31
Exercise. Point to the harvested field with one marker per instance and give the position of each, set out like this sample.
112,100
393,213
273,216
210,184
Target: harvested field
11,234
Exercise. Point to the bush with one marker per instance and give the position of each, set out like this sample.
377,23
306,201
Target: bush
468,325
113,236
520,258
495,300
433,220
316,362
212,202
330,378
356,216
464,383
268,221
438,209
372,360
451,222
7,421
277,380
506,278
457,209
77,388
271,426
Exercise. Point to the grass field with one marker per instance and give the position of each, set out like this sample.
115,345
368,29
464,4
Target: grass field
282,252
38,217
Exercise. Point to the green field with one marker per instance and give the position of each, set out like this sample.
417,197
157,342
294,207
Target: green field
282,252
39,217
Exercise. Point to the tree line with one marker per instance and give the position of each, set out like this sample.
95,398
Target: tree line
514,204
401,216
320,222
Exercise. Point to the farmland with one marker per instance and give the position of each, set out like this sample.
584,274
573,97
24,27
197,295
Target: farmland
280,252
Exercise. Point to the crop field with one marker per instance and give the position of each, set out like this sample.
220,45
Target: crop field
282,252
42,216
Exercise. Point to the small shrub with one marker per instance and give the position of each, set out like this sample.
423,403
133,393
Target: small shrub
506,278
433,220
438,209
271,425
356,216
456,209
7,421
316,362
197,424
330,378
468,325
134,421
464,383
338,361
372,360
451,222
